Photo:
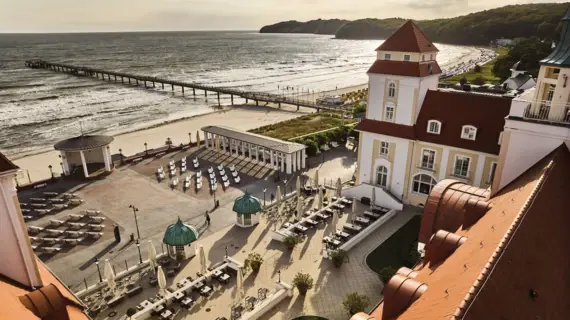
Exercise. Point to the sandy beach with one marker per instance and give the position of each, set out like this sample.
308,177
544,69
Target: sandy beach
244,117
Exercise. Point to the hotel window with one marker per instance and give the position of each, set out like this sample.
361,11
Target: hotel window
550,93
382,176
469,132
391,90
431,56
434,127
423,57
387,56
384,147
423,184
461,167
492,172
390,109
406,57
428,159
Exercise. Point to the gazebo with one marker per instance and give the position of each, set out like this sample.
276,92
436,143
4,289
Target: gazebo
246,208
89,152
180,238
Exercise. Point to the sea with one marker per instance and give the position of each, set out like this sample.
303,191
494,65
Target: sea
40,107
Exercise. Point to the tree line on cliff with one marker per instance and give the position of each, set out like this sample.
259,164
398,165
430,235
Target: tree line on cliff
480,28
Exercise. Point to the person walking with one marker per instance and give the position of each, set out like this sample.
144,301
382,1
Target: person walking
207,218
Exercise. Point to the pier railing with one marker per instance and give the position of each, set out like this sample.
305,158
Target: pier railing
130,78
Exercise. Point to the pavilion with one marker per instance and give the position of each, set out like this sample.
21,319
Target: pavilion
180,238
91,152
289,157
246,208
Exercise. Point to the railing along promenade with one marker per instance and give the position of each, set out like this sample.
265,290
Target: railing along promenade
138,79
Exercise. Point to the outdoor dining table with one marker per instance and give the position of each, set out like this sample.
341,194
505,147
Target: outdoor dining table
218,273
143,305
178,296
206,290
301,228
322,216
346,201
158,308
225,278
329,240
187,301
372,214
329,210
338,206
342,235
312,222
352,227
362,220
198,285
166,314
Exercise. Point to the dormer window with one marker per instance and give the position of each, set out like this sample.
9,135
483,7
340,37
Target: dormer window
387,56
469,132
406,57
434,127
391,90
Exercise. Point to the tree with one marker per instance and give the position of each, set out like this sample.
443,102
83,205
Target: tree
303,282
527,50
131,312
413,256
478,81
291,242
355,303
477,68
312,147
386,274
339,257
253,261
463,81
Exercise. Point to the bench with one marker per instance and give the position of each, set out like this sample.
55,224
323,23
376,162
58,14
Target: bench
158,155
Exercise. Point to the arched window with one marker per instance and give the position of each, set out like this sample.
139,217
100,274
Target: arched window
391,90
423,184
469,132
434,127
382,176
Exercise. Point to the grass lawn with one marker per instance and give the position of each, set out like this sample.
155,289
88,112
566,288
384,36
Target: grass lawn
486,71
393,251
300,126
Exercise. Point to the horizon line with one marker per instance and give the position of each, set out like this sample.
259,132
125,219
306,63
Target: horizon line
127,31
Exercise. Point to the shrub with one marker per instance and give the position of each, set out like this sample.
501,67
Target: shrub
291,242
477,68
331,135
463,81
339,257
386,273
478,81
321,138
312,148
253,261
355,303
131,312
303,282
413,257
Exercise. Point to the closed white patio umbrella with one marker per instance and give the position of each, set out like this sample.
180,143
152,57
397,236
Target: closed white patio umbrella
202,260
299,208
334,222
240,292
161,278
316,179
338,187
298,186
320,198
198,138
110,276
373,202
278,196
152,256
353,206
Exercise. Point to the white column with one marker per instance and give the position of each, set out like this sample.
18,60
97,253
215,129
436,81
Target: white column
224,144
303,158
65,164
282,155
299,167
106,159
263,155
256,153
294,158
271,158
84,164
249,151
479,172
289,163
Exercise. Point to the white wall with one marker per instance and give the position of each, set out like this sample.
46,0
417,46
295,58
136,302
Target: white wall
528,144
426,83
365,190
365,157
405,99
94,156
376,83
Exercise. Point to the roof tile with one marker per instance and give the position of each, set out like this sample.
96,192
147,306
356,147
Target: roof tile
405,68
387,128
6,164
409,38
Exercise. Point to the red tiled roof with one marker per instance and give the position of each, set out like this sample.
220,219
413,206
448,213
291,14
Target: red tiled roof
514,263
455,109
409,38
6,164
387,128
405,68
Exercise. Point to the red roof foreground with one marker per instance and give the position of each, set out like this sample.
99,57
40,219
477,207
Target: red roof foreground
5,164
387,128
455,109
405,68
409,38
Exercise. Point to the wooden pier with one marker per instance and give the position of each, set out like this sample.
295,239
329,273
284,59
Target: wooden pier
152,82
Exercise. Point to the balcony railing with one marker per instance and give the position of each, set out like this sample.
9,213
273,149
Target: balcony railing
545,111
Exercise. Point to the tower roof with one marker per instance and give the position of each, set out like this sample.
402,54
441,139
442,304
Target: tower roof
560,57
247,204
409,38
180,234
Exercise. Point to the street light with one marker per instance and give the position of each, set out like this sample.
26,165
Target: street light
121,153
226,251
145,148
98,269
139,248
279,273
135,209
285,186
189,138
264,190
50,170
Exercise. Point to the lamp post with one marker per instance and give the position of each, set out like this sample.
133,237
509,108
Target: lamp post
264,190
145,148
279,274
285,187
98,269
139,248
215,203
135,209
189,138
226,251
121,154
50,170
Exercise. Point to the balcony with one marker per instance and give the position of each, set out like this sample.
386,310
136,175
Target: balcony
540,112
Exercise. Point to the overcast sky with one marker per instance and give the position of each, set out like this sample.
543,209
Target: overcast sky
155,15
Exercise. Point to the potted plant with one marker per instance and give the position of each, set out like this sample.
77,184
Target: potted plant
339,257
180,256
291,242
303,282
386,274
355,303
253,261
131,312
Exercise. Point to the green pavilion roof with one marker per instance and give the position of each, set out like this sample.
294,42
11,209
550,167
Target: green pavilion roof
247,204
180,234
560,57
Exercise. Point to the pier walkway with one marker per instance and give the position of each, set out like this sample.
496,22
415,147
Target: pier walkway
133,79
